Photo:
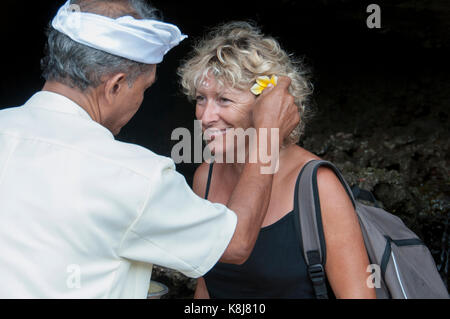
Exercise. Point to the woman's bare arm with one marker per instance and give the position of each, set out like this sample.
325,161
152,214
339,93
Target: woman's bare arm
347,260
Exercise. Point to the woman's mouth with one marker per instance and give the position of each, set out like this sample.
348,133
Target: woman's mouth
211,133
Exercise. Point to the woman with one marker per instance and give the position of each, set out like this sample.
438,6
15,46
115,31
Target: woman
219,76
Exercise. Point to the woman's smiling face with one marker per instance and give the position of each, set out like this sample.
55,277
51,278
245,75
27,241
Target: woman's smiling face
221,108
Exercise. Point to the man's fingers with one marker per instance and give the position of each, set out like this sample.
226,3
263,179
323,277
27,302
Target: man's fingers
283,81
267,90
293,119
276,108
296,117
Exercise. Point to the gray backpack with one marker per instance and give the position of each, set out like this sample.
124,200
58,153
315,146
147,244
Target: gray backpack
403,265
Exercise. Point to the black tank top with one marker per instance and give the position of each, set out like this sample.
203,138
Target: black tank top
276,267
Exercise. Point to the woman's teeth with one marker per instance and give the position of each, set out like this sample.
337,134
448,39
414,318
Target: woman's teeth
213,133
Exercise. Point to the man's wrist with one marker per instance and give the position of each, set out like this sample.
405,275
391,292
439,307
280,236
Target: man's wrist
264,150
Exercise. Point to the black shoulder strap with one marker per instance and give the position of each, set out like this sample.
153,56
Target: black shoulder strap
364,194
208,183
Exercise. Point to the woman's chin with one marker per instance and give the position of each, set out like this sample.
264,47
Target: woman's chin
220,156
218,152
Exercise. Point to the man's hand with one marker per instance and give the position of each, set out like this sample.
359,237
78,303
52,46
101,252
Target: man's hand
275,108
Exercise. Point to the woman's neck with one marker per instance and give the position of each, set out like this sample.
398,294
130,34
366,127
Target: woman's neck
235,168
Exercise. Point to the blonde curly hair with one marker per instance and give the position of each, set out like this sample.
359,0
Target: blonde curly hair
236,53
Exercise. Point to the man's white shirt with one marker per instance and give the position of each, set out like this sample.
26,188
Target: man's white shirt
85,216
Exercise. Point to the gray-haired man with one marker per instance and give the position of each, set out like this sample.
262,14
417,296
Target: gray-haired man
85,216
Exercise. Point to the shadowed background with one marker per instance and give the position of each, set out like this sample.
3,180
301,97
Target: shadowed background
382,95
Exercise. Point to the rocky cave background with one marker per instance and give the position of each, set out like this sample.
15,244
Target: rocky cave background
381,95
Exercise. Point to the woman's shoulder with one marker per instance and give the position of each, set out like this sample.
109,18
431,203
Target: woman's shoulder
298,157
293,160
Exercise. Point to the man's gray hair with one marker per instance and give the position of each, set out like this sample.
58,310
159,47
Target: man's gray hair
80,66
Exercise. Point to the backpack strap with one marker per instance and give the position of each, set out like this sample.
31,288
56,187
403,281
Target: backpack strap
310,219
364,194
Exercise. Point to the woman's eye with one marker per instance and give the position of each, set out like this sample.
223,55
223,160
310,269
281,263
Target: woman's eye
199,98
224,100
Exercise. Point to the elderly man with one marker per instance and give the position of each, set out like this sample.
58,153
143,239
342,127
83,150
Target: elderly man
85,216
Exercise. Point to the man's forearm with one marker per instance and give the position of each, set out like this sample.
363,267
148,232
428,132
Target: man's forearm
274,108
249,200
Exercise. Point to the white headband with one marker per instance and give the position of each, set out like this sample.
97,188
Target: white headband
141,40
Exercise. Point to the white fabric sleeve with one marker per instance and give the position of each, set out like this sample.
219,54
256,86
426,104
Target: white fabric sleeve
177,229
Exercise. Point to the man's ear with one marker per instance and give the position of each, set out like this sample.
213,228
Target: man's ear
114,86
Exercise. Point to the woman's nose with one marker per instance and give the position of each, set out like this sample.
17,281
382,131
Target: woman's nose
209,113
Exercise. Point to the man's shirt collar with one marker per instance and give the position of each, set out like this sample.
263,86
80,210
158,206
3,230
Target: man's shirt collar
57,103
